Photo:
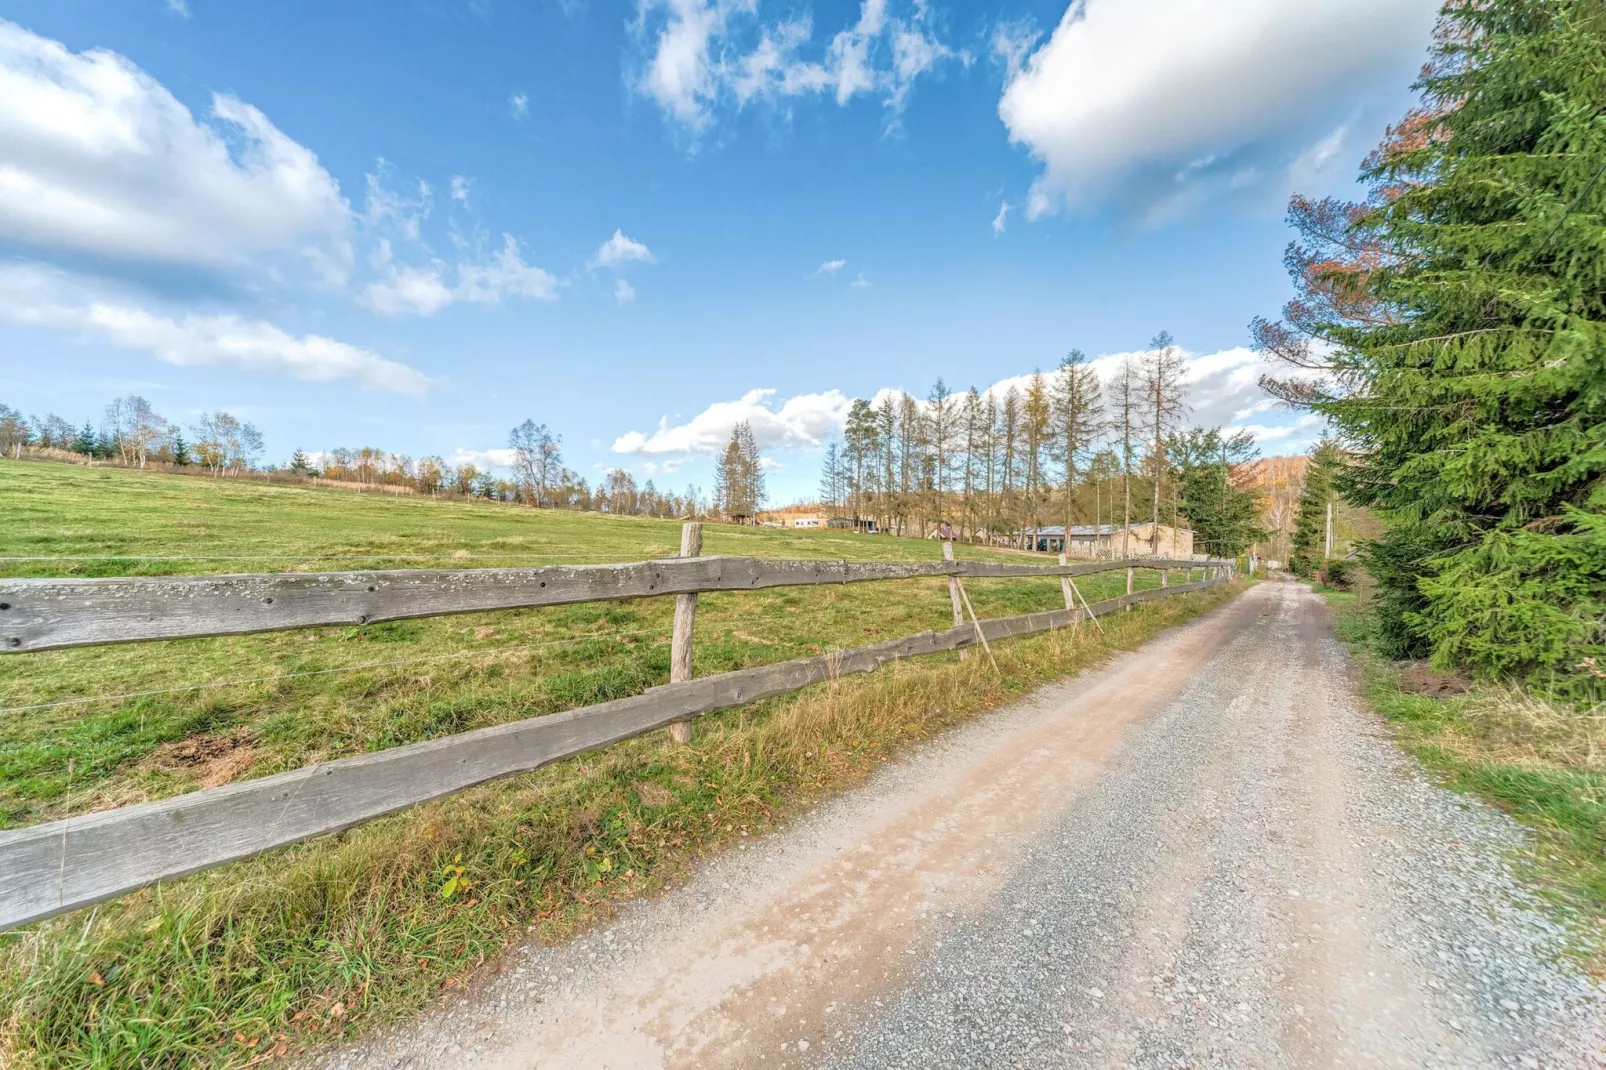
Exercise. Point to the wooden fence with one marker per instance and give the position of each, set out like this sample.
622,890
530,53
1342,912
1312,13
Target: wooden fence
58,866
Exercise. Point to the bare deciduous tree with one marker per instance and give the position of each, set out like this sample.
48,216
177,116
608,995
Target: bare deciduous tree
225,445
1126,392
1163,369
537,458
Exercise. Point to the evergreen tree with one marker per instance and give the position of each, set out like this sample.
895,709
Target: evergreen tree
84,441
1224,517
181,449
739,475
1310,527
861,448
1465,305
752,465
299,463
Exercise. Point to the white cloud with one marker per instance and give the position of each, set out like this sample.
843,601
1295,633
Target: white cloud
181,8
423,290
860,282
623,292
1131,91
33,297
404,290
705,52
504,274
413,281
830,267
518,105
1012,42
98,159
800,422
1223,391
619,250
389,209
1223,388
668,467
483,459
1002,216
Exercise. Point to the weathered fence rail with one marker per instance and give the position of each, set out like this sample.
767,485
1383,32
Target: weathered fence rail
49,614
59,866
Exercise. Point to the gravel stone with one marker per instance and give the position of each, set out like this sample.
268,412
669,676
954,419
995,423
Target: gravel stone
1205,854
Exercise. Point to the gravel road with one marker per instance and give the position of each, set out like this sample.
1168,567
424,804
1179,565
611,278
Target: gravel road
1204,854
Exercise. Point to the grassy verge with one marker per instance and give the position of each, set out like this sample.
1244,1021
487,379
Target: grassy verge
1543,763
267,957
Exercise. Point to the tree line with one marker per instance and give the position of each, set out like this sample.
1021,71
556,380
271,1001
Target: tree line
1001,466
538,478
134,434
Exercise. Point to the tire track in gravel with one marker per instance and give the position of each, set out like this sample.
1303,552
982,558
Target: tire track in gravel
1203,854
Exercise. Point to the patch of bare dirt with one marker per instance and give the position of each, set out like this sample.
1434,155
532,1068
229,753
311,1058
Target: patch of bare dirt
1421,680
213,760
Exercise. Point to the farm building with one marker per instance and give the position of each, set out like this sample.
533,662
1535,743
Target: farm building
1106,540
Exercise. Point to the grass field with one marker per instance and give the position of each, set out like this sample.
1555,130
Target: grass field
1541,762
323,939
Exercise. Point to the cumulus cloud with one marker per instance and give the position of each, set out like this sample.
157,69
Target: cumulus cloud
830,267
702,53
34,297
799,422
1154,94
620,250
623,292
518,105
98,160
860,282
181,8
460,187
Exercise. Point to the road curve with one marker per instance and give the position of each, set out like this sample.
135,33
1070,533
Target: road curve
1203,854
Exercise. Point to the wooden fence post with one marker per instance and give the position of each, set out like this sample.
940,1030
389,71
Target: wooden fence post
1165,577
691,545
1065,586
1129,572
953,592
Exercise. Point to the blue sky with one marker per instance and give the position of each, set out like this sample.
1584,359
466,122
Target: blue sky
414,224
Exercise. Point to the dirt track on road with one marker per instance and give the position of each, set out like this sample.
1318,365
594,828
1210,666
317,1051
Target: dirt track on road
1202,854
